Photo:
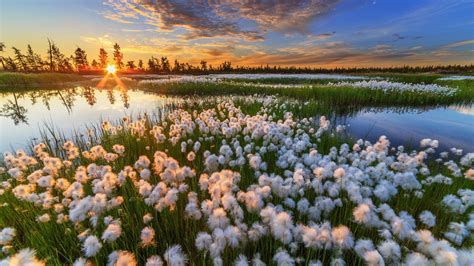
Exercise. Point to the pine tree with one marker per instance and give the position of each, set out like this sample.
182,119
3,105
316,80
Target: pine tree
33,60
80,59
103,58
140,64
20,59
94,64
2,59
118,56
165,64
176,67
203,65
131,65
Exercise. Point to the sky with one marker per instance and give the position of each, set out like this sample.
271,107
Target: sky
315,33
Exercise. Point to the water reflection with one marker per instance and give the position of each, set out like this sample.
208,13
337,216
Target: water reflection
453,126
23,113
16,103
13,110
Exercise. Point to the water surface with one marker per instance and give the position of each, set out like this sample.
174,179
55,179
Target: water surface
22,114
452,126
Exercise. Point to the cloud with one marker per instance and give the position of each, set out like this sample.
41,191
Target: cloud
459,44
399,37
338,54
104,40
249,20
323,36
381,48
283,16
116,17
416,47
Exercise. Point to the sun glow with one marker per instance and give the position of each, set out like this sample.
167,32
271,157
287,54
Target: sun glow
111,69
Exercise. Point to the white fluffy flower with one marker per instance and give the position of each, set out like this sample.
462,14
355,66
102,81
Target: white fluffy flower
121,258
427,218
416,259
282,258
112,232
390,250
91,246
147,236
6,235
154,261
342,237
373,258
174,256
23,257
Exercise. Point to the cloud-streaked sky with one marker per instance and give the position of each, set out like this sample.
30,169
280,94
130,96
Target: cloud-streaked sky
321,33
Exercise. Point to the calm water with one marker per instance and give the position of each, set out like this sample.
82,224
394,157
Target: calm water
452,126
24,113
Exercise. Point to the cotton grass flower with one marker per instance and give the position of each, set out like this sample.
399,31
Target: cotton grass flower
91,246
147,236
427,218
82,262
154,260
121,258
6,235
342,237
373,258
112,232
282,258
174,256
23,257
262,177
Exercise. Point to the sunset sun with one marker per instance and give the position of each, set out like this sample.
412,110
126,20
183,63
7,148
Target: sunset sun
111,69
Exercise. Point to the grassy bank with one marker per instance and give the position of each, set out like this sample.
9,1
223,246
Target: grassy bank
9,79
328,95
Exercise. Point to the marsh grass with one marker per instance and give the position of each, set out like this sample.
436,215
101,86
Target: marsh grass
58,243
327,96
15,80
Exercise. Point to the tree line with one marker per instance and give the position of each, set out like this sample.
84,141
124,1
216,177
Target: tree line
57,61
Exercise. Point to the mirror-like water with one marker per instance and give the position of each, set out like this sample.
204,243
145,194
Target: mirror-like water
22,114
452,126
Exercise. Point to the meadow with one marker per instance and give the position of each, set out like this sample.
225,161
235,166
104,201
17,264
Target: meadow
245,176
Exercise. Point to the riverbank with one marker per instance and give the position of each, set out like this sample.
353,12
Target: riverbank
9,79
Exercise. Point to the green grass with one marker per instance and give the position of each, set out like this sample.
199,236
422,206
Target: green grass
329,97
10,79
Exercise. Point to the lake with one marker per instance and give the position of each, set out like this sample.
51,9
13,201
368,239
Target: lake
24,113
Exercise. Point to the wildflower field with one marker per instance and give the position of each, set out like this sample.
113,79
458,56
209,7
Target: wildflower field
240,133
236,180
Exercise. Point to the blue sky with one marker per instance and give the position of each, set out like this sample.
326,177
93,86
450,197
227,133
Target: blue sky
321,33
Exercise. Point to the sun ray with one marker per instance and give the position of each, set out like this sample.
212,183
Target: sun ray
102,83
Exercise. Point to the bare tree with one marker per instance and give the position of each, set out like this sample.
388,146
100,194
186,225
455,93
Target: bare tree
50,55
